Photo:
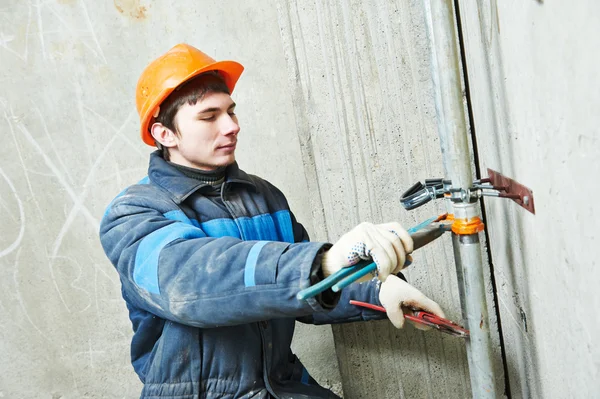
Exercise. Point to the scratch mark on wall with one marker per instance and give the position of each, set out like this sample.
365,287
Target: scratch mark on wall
73,284
41,30
118,131
91,219
19,153
91,353
75,34
84,128
5,39
93,32
7,211
86,213
117,177
51,143
74,381
55,283
20,298
19,238
97,303
78,203
517,322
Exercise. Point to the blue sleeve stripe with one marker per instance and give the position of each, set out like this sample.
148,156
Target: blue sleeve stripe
251,261
145,270
259,227
221,228
283,222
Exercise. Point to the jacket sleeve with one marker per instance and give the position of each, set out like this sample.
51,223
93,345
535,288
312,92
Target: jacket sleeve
344,312
337,305
169,267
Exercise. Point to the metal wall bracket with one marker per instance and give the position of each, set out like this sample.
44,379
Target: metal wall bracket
516,191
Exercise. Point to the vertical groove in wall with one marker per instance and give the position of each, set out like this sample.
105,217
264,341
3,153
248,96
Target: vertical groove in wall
368,105
331,58
356,86
488,251
300,113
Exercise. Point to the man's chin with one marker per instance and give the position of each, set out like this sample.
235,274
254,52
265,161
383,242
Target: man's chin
224,162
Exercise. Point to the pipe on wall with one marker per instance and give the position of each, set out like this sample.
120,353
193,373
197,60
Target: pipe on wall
452,130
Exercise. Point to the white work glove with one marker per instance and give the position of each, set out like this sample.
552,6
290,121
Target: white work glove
387,244
398,297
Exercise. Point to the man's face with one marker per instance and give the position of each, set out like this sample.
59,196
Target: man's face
207,133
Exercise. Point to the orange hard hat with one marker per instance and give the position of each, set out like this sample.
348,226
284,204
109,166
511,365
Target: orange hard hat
167,72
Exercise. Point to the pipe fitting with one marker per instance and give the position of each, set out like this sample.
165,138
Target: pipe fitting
467,226
466,220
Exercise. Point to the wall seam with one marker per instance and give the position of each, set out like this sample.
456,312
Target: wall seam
469,105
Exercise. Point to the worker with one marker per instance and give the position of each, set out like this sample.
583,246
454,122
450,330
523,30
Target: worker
211,258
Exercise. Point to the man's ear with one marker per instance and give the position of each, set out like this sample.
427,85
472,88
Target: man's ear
165,136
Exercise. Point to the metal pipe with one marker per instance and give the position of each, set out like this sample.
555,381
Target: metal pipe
452,130
469,266
448,91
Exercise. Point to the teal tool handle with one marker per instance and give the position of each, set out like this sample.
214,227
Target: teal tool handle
372,267
348,275
324,284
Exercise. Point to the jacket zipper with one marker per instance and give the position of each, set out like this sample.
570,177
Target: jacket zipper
265,370
260,328
225,201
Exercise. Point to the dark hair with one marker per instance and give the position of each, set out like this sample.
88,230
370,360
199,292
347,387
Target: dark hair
190,92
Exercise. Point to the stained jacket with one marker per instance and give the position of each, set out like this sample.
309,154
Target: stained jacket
211,283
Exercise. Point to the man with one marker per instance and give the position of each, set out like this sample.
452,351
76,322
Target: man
211,258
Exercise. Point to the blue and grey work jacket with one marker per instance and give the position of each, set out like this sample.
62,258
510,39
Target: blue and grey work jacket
211,284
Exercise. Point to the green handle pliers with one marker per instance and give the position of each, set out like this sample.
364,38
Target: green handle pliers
422,234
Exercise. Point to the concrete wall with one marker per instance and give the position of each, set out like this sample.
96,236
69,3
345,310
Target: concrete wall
336,110
364,109
533,72
67,115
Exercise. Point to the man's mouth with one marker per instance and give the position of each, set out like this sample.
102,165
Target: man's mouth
227,146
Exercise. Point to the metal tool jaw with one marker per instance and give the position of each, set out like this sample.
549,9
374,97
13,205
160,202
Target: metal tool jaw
443,325
424,318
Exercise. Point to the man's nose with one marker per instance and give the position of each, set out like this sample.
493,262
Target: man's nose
229,125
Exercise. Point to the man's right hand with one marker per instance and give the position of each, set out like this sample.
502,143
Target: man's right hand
399,297
387,244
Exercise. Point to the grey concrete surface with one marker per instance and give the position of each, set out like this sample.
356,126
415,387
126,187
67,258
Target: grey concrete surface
361,82
534,84
69,70
336,110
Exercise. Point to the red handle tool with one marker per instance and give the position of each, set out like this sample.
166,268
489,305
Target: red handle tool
425,318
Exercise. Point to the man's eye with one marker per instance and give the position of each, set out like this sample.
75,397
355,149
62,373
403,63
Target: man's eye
208,118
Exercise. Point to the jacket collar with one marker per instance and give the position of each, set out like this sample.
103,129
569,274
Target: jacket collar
179,185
